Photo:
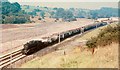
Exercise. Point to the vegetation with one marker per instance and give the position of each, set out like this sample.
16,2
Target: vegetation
42,14
104,12
12,13
8,7
21,14
105,37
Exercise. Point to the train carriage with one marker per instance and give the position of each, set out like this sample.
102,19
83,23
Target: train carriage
35,45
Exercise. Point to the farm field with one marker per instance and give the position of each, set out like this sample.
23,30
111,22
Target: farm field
104,57
64,34
15,35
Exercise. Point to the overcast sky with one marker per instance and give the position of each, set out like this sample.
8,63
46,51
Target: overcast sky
87,4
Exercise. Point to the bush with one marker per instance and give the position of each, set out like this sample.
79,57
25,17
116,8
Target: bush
20,20
105,37
39,19
16,19
92,43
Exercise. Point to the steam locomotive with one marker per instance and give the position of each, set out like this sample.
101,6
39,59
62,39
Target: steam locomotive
36,45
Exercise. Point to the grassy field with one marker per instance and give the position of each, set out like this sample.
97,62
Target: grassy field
78,57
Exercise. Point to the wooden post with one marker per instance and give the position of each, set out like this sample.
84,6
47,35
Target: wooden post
96,25
59,37
82,30
64,52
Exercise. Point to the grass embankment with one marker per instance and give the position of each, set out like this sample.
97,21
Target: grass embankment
105,57
105,37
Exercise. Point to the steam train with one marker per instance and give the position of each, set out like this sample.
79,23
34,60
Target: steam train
36,45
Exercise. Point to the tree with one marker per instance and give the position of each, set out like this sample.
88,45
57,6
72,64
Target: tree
68,15
3,0
55,8
32,13
60,12
15,7
42,14
94,14
8,7
52,13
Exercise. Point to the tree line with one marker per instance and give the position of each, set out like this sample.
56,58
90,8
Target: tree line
21,14
13,13
104,12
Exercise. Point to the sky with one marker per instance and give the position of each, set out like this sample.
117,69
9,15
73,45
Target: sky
85,4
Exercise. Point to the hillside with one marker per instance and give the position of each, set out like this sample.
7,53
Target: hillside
103,58
82,57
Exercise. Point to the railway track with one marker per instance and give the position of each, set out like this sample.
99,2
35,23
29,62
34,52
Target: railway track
10,58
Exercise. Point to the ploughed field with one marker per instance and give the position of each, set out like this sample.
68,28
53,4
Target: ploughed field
13,36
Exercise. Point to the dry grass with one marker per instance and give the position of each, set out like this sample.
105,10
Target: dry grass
103,58
78,57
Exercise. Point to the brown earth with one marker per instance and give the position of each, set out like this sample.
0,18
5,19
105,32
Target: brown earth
13,35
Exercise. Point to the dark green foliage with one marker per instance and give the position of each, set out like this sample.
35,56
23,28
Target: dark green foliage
32,13
60,12
55,8
3,17
104,12
8,7
52,14
94,14
81,13
65,14
105,37
13,19
37,10
42,14
12,13
20,20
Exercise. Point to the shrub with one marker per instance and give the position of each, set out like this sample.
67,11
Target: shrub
20,20
92,43
105,37
13,19
39,19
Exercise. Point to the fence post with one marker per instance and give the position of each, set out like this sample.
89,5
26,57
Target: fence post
82,30
96,25
59,37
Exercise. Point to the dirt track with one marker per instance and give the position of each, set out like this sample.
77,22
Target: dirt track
15,35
